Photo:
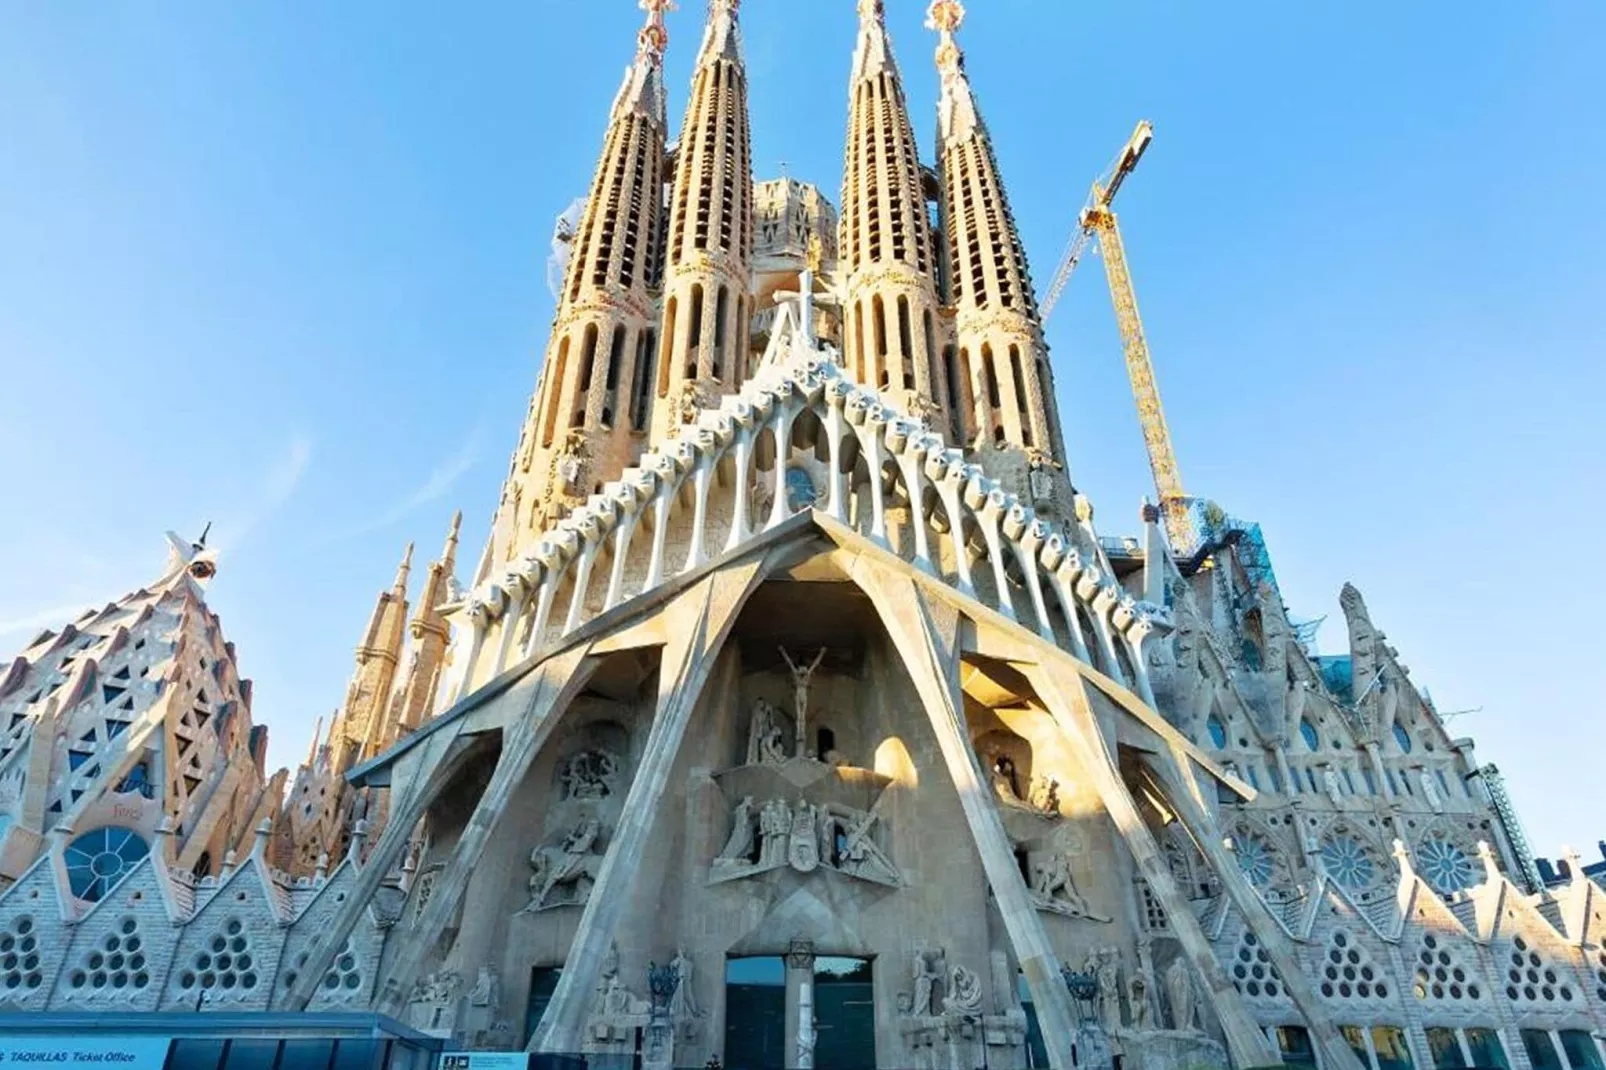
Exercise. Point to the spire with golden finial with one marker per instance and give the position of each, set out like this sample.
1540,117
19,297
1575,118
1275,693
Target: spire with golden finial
403,571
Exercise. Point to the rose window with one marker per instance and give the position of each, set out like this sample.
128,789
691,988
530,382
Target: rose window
1348,862
1256,860
1444,865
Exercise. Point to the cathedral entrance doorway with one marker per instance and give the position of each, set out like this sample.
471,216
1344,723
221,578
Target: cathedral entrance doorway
755,1013
844,1013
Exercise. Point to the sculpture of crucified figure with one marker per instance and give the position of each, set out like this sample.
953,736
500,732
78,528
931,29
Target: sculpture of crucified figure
800,688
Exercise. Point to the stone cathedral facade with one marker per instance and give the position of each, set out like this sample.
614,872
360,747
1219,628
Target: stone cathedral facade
797,714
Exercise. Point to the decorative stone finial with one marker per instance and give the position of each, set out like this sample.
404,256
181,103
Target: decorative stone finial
320,872
1575,864
259,849
872,9
229,864
1491,867
946,16
651,42
359,834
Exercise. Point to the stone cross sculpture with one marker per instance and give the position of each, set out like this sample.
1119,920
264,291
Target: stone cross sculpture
800,691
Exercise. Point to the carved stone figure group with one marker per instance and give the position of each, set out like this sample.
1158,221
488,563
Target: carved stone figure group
960,988
805,836
589,775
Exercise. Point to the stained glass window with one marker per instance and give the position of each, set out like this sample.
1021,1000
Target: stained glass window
1307,732
1255,859
1444,865
1218,731
1486,1049
1348,862
97,860
1403,738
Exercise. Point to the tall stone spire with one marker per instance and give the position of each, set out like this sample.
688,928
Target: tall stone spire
414,702
363,719
1010,412
706,303
892,336
590,413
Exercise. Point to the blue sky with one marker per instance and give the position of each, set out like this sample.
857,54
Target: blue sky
281,267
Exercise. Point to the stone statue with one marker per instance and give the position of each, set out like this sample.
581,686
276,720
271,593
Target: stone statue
800,693
486,989
740,844
683,1004
1046,796
1179,990
573,863
1053,889
803,849
1330,782
927,973
764,743
589,775
1003,776
774,825
1137,998
964,992
1105,966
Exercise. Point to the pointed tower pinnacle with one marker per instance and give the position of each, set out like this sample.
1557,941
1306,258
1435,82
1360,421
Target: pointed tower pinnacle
892,335
359,728
589,416
707,308
414,701
1002,355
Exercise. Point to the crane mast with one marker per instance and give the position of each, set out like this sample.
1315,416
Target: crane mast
1099,221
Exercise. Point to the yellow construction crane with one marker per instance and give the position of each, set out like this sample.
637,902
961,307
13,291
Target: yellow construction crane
1097,220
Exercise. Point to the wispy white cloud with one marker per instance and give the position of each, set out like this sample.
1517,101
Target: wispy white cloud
33,621
277,486
441,479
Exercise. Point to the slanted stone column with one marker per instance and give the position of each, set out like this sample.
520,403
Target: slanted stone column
926,635
557,681
1178,786
417,779
695,626
1068,704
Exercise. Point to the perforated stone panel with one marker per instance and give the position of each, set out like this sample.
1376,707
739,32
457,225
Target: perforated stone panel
224,968
114,967
21,964
1444,975
1349,972
1252,971
1533,979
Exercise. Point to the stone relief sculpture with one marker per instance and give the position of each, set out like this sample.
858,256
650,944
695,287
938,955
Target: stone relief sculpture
1179,991
683,1002
964,993
432,1003
589,775
765,738
1053,889
805,836
1137,998
1105,966
926,974
1046,795
739,845
564,872
1005,787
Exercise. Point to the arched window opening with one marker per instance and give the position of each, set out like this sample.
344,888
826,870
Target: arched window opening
667,355
858,341
640,377
957,418
694,332
938,394
824,743
1021,405
907,342
721,315
616,359
555,395
588,359
878,313
991,372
